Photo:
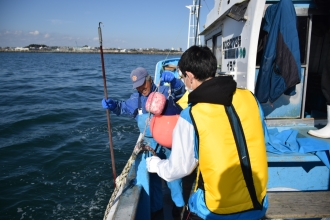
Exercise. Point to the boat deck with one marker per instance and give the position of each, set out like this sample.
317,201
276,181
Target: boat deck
286,204
287,173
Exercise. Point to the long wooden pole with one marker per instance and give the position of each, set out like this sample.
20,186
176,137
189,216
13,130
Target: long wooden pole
108,111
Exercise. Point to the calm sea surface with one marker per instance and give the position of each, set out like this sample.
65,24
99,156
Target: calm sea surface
54,146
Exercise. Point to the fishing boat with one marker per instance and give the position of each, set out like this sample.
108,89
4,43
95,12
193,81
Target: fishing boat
299,179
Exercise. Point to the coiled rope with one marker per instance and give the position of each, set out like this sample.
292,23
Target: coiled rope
121,179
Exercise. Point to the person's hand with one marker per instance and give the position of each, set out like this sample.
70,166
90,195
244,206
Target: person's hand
109,103
168,76
152,164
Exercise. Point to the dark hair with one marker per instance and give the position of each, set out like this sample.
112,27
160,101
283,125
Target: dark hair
200,61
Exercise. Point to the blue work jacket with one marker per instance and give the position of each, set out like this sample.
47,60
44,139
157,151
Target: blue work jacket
280,67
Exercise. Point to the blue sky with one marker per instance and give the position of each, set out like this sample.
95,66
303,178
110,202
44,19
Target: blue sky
126,23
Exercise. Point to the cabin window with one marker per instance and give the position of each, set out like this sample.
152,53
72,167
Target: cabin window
215,44
302,28
209,44
218,51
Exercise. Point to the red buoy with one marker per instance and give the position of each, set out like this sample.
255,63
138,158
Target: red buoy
161,128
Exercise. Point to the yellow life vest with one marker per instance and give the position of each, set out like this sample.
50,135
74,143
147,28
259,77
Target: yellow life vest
183,101
229,157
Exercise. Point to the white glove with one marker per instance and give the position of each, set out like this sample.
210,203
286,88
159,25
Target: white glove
152,164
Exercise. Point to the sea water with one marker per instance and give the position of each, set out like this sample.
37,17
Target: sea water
54,144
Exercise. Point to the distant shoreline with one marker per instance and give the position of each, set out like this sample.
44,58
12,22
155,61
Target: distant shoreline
97,52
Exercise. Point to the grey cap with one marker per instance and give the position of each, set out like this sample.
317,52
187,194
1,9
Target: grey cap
138,76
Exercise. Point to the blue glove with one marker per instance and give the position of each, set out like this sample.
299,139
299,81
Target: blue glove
168,76
110,104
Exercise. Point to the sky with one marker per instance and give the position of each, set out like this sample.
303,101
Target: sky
126,24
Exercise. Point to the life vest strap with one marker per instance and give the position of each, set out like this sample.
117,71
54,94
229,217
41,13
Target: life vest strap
243,153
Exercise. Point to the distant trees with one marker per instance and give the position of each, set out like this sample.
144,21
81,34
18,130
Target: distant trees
36,45
86,48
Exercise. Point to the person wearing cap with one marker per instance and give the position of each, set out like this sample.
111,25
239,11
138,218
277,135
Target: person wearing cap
135,107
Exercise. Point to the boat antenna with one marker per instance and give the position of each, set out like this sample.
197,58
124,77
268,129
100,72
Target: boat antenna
193,23
199,9
107,110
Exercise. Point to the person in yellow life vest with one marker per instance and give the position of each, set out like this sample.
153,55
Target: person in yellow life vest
220,133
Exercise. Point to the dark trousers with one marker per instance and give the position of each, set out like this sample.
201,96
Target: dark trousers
325,83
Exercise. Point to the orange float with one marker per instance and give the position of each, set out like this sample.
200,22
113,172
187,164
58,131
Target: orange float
161,128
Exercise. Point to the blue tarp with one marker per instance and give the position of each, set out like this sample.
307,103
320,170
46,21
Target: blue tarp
286,141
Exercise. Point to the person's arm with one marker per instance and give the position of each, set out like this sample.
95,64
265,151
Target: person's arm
128,107
179,89
177,86
182,160
124,108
